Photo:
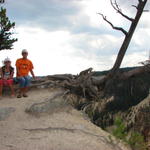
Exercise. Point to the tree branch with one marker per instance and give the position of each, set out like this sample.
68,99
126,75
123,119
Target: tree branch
145,10
114,27
135,6
116,7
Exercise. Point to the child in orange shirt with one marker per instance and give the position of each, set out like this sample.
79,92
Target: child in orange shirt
23,67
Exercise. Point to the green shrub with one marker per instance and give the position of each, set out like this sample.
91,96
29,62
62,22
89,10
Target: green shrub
134,139
120,129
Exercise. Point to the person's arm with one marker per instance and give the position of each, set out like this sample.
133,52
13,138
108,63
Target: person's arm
31,70
17,72
1,73
12,74
32,73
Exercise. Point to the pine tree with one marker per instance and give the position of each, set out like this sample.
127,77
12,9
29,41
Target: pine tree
6,41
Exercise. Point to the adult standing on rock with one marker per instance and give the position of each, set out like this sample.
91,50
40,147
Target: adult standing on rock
23,67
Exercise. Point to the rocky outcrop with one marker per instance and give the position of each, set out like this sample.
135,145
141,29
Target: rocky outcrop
70,127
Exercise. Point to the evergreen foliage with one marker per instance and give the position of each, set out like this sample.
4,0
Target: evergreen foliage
6,40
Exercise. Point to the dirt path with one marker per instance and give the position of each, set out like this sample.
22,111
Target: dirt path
61,130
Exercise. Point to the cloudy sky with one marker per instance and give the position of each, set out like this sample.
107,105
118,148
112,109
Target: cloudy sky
68,36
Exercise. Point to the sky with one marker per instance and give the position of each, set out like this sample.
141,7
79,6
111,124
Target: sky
68,36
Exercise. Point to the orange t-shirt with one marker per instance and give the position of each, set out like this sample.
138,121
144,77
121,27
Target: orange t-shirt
24,66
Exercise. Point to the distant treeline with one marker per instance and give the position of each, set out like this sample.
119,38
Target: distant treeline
100,73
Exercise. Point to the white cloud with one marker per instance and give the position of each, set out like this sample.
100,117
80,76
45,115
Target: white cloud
68,37
134,59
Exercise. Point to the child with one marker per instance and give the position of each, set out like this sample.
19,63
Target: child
24,66
7,72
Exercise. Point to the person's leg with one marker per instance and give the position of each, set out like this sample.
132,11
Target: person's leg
10,84
1,87
26,85
21,81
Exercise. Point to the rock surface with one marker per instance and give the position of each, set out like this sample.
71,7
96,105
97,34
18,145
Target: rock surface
5,112
57,126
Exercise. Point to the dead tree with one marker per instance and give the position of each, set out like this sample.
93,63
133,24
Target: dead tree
128,34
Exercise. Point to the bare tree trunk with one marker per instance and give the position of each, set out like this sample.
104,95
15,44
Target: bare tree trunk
128,37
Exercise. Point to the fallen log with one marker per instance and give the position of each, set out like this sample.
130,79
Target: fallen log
61,77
